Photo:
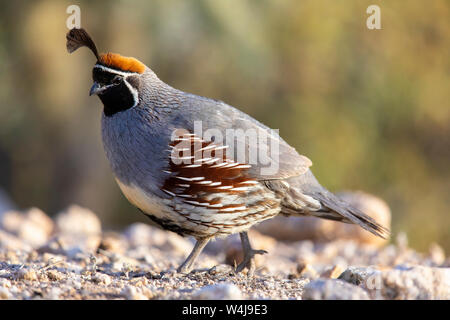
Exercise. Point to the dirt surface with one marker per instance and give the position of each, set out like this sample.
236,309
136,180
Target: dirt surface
70,257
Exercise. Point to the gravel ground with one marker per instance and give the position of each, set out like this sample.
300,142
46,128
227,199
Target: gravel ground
70,257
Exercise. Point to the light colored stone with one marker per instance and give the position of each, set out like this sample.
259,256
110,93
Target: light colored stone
221,269
55,275
436,254
27,274
232,247
32,225
5,283
302,228
11,221
178,244
306,270
357,275
416,282
11,257
332,289
332,273
140,234
78,232
78,220
102,278
221,291
148,293
131,293
113,242
4,294
54,293
71,245
9,241
402,282
40,219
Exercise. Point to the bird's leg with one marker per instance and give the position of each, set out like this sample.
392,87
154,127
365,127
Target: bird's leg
187,265
249,254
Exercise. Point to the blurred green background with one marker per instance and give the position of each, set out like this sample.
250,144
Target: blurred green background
370,108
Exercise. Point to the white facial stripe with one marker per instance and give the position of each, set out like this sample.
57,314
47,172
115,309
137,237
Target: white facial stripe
124,75
133,92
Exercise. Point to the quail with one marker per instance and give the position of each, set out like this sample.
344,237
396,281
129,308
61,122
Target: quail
186,181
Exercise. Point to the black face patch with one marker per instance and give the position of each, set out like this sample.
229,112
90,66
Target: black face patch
117,97
103,77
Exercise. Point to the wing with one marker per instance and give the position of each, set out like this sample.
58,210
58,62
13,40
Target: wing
248,141
214,194
275,158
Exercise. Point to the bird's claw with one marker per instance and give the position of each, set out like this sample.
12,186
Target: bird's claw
249,261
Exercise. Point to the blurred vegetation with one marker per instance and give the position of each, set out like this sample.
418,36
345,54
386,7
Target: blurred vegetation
370,108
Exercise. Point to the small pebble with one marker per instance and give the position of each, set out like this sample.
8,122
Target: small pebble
221,291
131,293
102,278
55,275
221,269
332,273
4,294
306,270
27,274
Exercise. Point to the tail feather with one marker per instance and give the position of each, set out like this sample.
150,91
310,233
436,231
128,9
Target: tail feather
337,209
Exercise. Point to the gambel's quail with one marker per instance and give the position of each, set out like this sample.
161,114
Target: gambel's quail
189,180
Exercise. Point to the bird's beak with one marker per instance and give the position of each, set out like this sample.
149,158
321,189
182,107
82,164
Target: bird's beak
96,89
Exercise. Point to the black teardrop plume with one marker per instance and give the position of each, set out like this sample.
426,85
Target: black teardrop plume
77,38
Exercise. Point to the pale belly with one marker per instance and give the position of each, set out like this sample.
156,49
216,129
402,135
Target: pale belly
175,215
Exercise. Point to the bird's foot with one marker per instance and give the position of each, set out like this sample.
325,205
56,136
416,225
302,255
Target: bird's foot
249,261
184,268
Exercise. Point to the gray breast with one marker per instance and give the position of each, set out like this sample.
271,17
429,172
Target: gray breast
135,148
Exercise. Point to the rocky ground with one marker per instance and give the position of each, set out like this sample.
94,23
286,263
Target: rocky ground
70,257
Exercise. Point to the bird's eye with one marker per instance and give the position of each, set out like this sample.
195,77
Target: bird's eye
117,80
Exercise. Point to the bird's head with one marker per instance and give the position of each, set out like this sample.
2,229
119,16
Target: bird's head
117,79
